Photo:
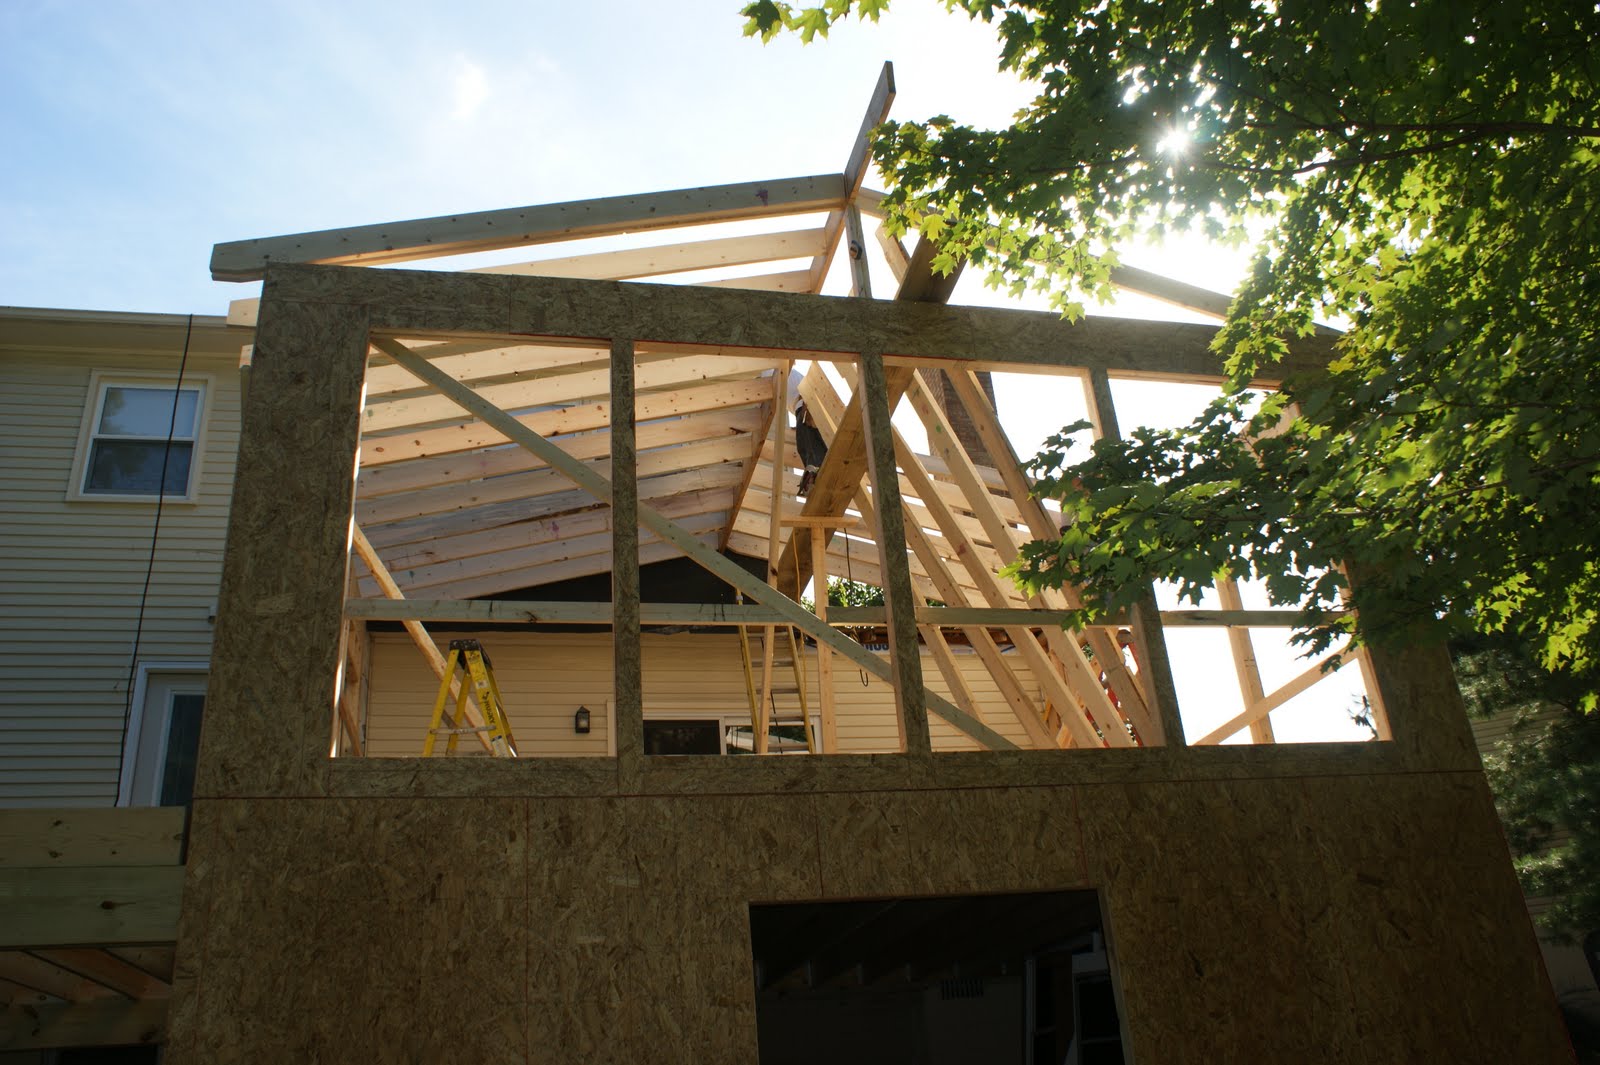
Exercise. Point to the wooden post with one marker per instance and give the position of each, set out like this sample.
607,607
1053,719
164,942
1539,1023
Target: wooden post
769,635
1244,660
627,684
856,247
1159,688
819,570
909,697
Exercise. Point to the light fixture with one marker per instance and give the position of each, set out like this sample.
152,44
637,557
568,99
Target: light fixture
580,721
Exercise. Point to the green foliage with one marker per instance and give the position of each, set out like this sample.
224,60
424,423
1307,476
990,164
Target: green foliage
845,592
1545,775
1426,171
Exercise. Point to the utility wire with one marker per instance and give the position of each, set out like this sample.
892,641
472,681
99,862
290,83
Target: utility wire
155,535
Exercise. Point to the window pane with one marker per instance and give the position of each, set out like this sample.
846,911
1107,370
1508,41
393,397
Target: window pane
147,412
134,467
683,737
183,744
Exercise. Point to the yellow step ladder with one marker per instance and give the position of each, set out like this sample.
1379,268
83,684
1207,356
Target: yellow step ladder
763,719
477,681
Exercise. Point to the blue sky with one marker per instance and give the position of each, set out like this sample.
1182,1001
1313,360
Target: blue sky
142,132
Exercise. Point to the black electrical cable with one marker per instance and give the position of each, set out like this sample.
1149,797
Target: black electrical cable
155,535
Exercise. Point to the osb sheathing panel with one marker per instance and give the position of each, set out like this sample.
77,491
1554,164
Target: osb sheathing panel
283,577
1307,920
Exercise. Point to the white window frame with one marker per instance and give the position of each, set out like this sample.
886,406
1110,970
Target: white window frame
99,382
725,719
150,725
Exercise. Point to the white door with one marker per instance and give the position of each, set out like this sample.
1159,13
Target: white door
168,739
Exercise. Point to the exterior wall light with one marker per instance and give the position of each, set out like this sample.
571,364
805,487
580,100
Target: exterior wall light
580,721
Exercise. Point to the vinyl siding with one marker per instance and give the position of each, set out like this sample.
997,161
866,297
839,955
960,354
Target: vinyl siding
545,677
72,572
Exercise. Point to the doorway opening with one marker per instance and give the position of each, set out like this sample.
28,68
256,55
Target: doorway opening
1019,979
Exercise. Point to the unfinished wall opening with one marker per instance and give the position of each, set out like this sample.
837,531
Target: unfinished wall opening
1012,979
490,470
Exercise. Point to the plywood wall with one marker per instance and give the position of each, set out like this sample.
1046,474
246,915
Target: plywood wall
1329,919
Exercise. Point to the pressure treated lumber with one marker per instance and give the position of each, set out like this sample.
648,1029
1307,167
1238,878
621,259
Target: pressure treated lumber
103,1022
89,906
427,238
152,835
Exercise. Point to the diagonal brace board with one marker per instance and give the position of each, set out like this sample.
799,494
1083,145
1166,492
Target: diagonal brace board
735,575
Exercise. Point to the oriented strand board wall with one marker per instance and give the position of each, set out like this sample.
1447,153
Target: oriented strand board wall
1314,903
72,571
544,677
1325,919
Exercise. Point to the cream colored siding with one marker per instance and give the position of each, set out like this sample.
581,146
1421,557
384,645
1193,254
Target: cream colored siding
543,680
545,677
72,571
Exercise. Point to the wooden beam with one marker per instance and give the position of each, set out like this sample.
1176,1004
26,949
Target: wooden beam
1081,676
107,970
1262,707
89,906
726,449
429,238
470,436
508,571
1155,667
421,474
106,1022
770,415
970,394
1070,704
431,303
827,407
1244,660
825,703
673,258
42,980
533,611
784,281
837,479
151,835
894,252
1179,294
856,248
414,629
729,571
909,693
780,435
855,171
410,411
627,684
